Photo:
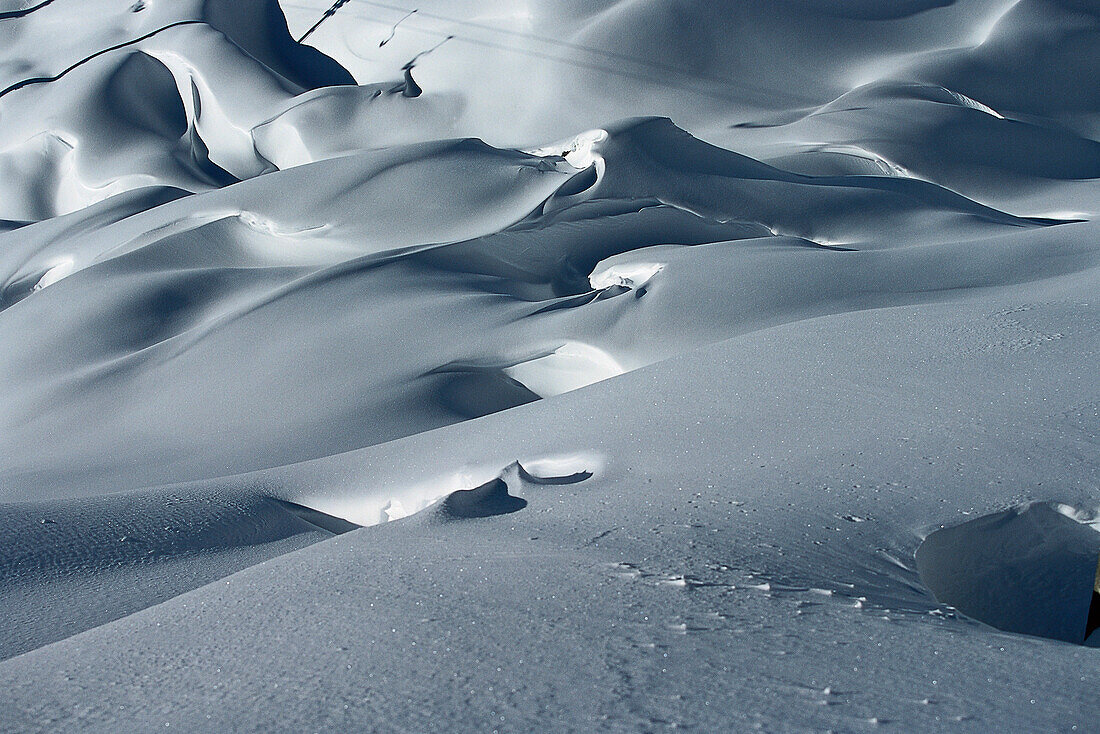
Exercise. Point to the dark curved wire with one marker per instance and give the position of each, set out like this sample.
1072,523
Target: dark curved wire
393,30
612,55
117,46
8,14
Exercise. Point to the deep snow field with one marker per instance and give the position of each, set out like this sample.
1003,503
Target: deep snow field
549,365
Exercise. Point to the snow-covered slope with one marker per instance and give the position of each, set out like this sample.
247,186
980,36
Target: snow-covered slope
621,427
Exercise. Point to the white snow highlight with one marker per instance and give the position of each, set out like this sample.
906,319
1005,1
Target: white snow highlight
627,275
569,367
615,365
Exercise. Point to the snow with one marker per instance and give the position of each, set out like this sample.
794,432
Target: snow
569,367
1023,570
717,366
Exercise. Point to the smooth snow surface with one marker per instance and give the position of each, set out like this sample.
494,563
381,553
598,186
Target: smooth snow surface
549,365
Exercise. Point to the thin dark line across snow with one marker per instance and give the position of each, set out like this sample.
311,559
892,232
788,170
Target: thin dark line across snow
684,74
328,14
45,79
8,14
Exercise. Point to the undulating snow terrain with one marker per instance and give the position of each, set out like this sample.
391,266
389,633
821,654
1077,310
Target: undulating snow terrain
549,365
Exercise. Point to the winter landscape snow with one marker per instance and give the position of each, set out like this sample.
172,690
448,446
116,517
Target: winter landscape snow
549,365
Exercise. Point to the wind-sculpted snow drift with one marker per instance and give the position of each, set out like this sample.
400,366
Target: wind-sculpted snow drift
435,377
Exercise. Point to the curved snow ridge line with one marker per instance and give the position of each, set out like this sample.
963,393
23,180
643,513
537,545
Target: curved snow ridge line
195,221
60,183
189,337
681,156
888,167
478,388
288,138
918,91
543,375
47,79
569,367
210,124
177,344
17,276
64,265
973,104
478,487
264,223
626,275
493,497
549,256
348,268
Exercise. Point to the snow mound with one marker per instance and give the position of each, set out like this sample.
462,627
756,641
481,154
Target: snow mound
489,499
495,496
794,280
1030,569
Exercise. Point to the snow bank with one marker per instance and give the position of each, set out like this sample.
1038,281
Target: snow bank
759,295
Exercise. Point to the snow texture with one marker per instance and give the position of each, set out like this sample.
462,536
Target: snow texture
620,365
